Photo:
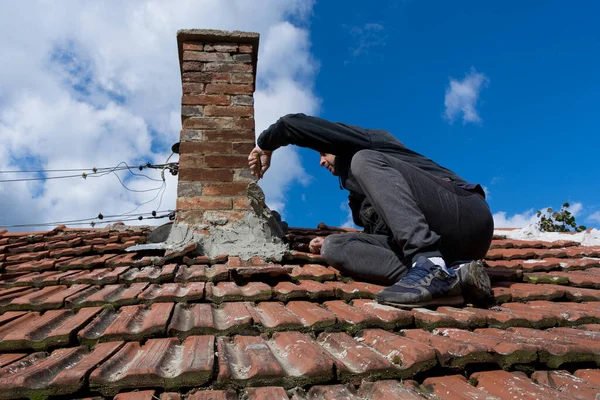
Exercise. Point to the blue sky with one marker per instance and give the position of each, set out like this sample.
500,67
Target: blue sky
503,93
388,65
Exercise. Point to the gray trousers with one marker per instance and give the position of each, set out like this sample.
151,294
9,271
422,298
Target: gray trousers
427,216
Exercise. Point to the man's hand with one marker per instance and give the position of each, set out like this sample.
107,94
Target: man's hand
259,161
315,245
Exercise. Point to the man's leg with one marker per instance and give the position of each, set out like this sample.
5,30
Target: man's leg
373,258
420,210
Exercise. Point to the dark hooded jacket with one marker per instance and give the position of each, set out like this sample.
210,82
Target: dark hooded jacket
344,141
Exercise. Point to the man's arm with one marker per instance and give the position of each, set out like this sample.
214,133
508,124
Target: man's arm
315,133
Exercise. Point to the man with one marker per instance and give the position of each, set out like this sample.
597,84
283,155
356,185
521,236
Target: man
419,219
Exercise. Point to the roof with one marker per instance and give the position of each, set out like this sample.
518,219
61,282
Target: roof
83,318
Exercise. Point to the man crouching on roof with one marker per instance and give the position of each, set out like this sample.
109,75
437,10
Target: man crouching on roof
420,219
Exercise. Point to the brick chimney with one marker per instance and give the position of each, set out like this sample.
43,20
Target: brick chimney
219,204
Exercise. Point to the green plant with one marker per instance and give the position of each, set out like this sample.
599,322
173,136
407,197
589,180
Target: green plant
558,221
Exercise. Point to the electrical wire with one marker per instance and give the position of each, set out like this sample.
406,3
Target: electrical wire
86,221
95,172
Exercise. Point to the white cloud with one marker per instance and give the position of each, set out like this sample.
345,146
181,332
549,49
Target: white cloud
95,83
462,96
367,38
501,220
594,217
348,221
575,208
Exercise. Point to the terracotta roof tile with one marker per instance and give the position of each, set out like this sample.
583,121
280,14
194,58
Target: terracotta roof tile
127,323
59,373
167,363
52,329
295,330
504,384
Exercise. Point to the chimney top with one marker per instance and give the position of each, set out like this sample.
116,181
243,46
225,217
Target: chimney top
213,35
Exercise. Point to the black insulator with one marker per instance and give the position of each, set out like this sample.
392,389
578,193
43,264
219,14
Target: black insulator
154,213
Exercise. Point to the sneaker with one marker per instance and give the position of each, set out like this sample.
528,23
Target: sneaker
474,281
425,284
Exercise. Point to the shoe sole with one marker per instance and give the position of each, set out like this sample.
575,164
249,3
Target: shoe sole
479,287
442,301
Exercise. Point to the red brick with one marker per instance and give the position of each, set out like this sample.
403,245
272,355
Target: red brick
229,88
128,323
208,175
205,147
411,356
201,273
167,363
454,387
242,147
196,46
231,135
229,111
204,99
311,315
225,189
246,360
61,373
178,292
204,203
564,382
230,291
228,67
221,47
120,295
226,161
200,319
205,57
245,48
354,360
273,316
515,386
54,328
242,78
